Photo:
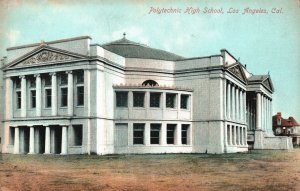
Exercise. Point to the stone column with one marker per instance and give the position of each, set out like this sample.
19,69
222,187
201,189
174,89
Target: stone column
228,103
31,140
70,93
242,135
9,98
244,103
38,94
47,140
234,135
17,141
241,105
64,138
245,135
237,112
258,111
23,96
178,135
238,135
230,135
54,93
163,134
232,102
147,134
225,136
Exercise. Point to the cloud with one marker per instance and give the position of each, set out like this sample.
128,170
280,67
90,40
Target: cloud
13,36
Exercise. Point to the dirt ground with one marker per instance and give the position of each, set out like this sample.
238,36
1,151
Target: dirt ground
264,170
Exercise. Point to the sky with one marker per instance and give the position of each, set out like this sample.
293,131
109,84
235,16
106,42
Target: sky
265,42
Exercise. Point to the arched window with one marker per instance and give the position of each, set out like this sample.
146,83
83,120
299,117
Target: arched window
149,83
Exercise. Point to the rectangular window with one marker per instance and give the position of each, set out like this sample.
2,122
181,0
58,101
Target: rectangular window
138,133
33,98
63,79
32,83
154,133
48,97
138,99
12,136
170,133
48,81
184,101
77,132
64,97
122,99
80,77
80,95
18,96
155,99
184,134
18,83
170,100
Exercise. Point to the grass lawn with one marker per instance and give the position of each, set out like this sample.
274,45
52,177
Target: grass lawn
258,170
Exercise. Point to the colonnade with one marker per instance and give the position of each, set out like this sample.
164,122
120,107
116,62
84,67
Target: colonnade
49,139
235,135
38,89
235,102
263,112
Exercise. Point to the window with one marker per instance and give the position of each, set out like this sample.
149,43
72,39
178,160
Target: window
64,97
150,83
170,100
122,99
63,79
170,133
33,98
80,77
138,133
12,136
154,99
18,83
80,95
18,99
184,134
48,81
154,133
77,132
32,83
48,97
184,101
138,99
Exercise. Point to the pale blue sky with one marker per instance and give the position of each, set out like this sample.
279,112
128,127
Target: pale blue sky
265,42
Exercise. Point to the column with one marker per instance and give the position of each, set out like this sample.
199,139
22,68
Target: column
263,112
31,140
47,140
241,105
230,135
225,135
163,134
244,103
147,134
228,96
238,135
70,93
258,111
54,93
17,141
232,102
9,98
178,135
23,96
245,135
64,137
38,95
234,135
237,112
242,136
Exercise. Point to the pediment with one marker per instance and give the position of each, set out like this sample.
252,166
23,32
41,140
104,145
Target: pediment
237,71
44,55
268,84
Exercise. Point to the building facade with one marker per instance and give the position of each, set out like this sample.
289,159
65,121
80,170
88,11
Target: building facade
73,97
286,127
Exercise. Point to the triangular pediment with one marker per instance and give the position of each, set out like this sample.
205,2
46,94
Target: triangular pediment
44,55
268,84
237,71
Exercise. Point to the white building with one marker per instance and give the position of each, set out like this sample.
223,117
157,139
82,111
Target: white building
71,97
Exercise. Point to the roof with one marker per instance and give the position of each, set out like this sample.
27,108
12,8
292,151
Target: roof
130,49
258,78
289,122
265,80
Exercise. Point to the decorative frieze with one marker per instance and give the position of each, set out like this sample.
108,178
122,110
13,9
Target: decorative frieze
46,56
